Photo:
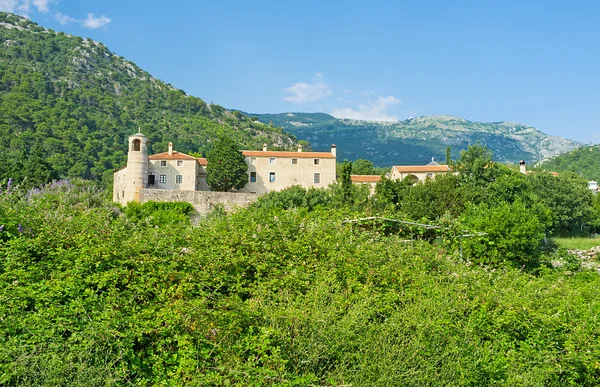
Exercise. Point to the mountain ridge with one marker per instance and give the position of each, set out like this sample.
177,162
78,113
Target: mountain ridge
417,139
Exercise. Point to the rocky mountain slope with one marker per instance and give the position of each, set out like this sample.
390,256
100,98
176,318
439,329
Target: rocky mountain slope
76,102
417,140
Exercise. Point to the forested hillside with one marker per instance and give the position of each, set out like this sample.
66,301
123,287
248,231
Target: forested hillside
583,161
72,102
417,140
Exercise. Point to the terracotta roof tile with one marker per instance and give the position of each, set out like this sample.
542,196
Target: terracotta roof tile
174,156
422,168
299,155
202,161
365,178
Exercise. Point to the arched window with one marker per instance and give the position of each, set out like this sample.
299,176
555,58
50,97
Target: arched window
136,145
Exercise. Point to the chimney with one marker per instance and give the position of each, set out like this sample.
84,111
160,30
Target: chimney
299,147
333,150
522,168
170,148
264,147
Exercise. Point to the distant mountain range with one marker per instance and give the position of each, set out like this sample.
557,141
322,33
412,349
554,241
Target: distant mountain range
417,140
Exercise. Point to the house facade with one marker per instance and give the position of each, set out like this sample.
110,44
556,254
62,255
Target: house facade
418,173
276,170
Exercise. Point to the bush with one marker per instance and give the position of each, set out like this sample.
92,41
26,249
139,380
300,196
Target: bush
513,234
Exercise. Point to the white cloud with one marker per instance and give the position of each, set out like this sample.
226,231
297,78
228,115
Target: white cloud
41,5
23,7
63,19
305,92
374,111
93,21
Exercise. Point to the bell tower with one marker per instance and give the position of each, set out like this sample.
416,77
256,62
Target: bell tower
137,167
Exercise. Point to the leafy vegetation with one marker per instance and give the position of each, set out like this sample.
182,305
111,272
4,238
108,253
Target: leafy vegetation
584,161
283,293
579,243
72,103
227,167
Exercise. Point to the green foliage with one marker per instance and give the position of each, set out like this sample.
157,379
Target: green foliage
159,213
227,168
513,233
363,167
79,102
272,297
584,161
568,198
345,181
296,197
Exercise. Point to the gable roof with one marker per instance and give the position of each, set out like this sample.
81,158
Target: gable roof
365,178
421,168
175,156
202,161
295,155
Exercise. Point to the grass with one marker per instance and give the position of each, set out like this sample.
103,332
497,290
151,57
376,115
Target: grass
580,243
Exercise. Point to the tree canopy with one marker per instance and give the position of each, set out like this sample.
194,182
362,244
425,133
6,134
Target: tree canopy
227,168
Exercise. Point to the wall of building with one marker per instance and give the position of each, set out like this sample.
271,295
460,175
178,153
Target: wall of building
288,174
119,187
421,176
203,201
187,169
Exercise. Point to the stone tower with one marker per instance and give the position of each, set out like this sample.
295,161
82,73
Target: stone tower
137,167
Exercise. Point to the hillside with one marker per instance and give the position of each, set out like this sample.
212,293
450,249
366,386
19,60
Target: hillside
79,102
416,140
583,161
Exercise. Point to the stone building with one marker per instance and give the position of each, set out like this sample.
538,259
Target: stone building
418,173
176,171
276,170
169,170
370,180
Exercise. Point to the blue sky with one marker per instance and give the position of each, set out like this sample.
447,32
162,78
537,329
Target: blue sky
533,62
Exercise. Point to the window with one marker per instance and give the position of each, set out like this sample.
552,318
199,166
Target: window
252,177
178,179
163,163
117,195
179,163
316,161
136,145
317,178
271,177
163,179
272,161
123,194
294,161
430,175
151,179
253,160
202,175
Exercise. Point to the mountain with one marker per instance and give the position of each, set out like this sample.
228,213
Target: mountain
76,102
584,161
417,140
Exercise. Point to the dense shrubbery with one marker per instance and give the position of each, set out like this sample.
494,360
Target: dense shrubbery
272,296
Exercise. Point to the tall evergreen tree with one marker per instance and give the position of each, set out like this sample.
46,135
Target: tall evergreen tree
226,166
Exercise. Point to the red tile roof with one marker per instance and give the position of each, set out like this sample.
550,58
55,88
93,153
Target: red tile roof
422,168
202,161
299,155
175,156
365,178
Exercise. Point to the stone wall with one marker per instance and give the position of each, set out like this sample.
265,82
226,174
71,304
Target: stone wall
203,201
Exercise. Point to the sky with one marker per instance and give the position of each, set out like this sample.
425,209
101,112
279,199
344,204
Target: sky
530,61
